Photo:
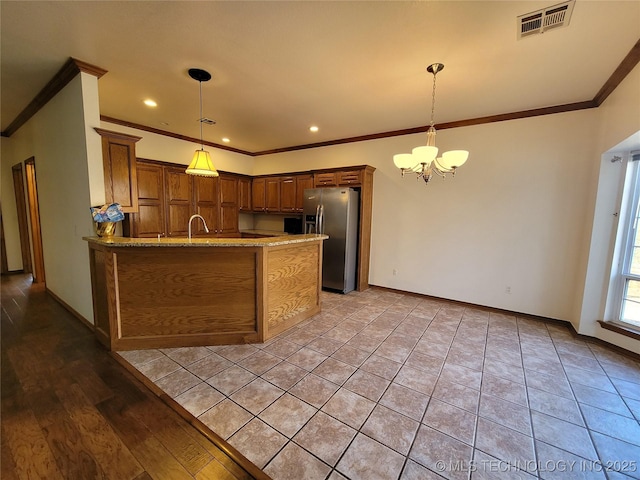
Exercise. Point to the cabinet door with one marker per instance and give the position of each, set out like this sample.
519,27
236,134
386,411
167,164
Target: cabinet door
350,177
149,221
178,190
205,195
272,187
258,194
325,179
302,183
288,194
119,163
228,211
244,194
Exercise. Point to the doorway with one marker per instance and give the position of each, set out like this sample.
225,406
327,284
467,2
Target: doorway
34,219
23,219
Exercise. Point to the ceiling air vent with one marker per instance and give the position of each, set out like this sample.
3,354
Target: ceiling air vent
207,121
542,20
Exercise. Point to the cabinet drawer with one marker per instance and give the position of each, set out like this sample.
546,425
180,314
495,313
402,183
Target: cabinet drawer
350,177
325,179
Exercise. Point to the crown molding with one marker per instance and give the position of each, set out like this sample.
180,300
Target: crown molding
69,70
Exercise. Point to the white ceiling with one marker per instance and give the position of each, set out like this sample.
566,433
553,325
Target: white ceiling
351,67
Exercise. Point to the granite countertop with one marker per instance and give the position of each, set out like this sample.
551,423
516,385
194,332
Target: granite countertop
203,242
271,233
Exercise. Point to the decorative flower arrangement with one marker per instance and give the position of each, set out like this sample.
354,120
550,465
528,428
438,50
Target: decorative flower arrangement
105,218
107,213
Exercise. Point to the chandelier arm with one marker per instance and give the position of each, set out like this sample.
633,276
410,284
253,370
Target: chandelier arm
442,169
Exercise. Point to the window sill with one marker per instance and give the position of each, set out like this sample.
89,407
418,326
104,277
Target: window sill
622,329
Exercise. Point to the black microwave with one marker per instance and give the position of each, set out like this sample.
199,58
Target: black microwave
293,225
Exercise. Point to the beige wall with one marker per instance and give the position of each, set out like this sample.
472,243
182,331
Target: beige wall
512,216
618,134
68,160
522,213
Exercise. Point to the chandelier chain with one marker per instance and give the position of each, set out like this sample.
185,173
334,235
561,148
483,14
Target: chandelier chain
433,100
200,119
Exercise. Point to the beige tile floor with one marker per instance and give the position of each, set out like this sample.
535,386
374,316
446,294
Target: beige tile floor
382,385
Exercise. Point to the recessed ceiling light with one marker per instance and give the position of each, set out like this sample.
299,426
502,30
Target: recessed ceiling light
313,128
226,140
150,103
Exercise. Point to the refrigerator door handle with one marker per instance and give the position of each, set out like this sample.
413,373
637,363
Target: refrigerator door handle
321,219
317,225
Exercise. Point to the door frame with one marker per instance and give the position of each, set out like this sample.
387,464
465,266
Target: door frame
23,219
34,217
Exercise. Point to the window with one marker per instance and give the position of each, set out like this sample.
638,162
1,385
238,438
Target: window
629,278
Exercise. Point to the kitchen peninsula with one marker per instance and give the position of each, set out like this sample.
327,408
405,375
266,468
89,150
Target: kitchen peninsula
178,292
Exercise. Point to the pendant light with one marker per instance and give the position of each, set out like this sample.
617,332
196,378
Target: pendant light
424,160
201,163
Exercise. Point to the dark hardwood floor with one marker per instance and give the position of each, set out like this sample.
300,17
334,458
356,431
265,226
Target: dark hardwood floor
70,411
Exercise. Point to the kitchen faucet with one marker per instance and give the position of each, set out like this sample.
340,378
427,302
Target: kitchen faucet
206,229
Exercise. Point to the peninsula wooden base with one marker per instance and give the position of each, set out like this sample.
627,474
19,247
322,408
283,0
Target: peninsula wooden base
161,295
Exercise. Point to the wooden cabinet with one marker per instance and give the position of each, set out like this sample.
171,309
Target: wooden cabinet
228,205
272,194
150,220
288,194
168,197
302,183
349,177
205,198
119,163
216,199
292,192
258,194
179,194
325,179
244,194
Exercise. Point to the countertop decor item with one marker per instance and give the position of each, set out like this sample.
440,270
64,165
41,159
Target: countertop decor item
106,218
424,160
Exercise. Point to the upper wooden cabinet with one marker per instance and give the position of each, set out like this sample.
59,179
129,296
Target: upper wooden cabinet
179,195
350,177
244,194
325,179
302,183
258,194
168,197
227,205
119,163
272,195
150,220
288,194
292,192
205,197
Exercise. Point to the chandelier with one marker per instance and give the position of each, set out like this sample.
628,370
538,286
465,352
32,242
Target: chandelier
201,162
424,160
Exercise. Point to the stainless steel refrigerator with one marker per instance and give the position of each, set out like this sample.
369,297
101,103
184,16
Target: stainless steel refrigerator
334,212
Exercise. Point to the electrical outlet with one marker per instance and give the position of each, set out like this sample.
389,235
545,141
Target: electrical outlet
507,289
395,272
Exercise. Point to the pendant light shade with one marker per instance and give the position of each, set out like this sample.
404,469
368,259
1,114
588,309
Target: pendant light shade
201,163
